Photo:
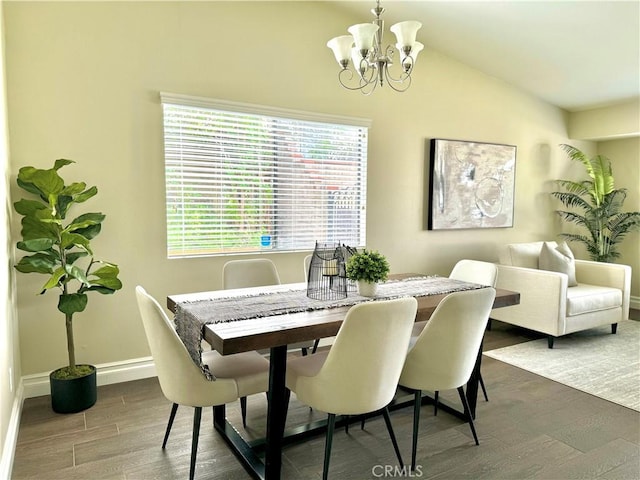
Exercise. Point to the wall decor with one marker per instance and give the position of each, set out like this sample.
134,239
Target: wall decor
471,185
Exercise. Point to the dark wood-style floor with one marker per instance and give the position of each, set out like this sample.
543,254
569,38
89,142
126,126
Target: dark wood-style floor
531,428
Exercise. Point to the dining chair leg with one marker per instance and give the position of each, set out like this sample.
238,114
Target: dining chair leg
417,404
315,345
467,413
331,424
435,404
172,416
304,351
484,390
243,410
387,421
197,415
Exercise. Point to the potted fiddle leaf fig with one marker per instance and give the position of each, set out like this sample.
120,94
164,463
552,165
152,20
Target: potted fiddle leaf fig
60,249
367,268
596,207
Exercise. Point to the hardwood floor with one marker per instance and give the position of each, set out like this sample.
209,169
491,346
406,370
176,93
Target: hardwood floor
531,428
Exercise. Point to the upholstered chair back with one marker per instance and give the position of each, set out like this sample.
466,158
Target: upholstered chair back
180,379
475,271
361,371
444,354
257,272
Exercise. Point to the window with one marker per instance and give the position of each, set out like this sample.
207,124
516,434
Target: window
244,178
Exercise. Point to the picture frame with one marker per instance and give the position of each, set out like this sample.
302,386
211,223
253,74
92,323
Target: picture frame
471,184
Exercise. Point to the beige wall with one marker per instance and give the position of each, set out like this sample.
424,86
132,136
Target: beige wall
9,349
83,83
625,163
613,121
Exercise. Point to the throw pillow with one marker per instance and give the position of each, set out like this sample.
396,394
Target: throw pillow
558,259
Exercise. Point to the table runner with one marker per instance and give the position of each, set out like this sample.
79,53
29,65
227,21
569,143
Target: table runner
191,317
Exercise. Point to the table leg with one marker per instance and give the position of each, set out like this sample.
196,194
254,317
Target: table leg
276,412
472,385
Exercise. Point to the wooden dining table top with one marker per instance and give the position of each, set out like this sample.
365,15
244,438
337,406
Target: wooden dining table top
283,329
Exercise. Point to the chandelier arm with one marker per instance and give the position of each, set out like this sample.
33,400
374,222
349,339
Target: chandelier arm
404,79
351,75
372,85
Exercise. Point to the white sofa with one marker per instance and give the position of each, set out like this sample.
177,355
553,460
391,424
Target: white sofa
548,305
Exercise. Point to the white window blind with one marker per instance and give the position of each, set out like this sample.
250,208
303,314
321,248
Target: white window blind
246,178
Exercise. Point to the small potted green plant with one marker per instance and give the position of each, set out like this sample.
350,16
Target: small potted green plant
61,250
367,268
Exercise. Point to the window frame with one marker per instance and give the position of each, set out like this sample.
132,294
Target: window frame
239,108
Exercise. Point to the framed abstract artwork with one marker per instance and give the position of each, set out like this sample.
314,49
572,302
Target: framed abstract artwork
471,185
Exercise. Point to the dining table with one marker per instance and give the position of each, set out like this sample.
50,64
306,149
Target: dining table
214,317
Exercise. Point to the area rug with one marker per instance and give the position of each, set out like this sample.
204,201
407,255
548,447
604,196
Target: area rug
594,361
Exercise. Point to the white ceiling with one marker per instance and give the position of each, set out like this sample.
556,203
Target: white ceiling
576,54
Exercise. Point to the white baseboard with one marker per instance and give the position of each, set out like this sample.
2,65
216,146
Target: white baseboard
634,302
37,384
11,438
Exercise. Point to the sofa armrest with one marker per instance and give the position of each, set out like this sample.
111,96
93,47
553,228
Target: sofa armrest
543,299
607,275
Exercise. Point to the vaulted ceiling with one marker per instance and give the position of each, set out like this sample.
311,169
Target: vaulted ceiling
573,54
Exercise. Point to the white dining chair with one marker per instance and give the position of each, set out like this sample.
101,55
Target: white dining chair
473,271
255,272
359,374
444,355
307,265
181,380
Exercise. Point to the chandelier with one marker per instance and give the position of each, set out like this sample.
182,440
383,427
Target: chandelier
367,57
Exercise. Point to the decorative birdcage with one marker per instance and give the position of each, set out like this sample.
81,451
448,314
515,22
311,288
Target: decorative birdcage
327,278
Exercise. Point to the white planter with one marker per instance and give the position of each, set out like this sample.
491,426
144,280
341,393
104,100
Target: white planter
367,289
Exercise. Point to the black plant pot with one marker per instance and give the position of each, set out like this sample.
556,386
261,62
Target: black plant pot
71,395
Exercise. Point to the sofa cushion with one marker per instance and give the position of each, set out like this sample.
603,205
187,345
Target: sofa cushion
558,259
591,298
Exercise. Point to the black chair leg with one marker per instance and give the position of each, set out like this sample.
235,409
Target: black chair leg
550,340
197,415
417,404
467,413
387,421
435,404
243,410
304,351
172,416
484,390
614,328
315,345
331,424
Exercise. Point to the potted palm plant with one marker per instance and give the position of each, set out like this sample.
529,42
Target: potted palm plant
61,250
597,207
367,268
